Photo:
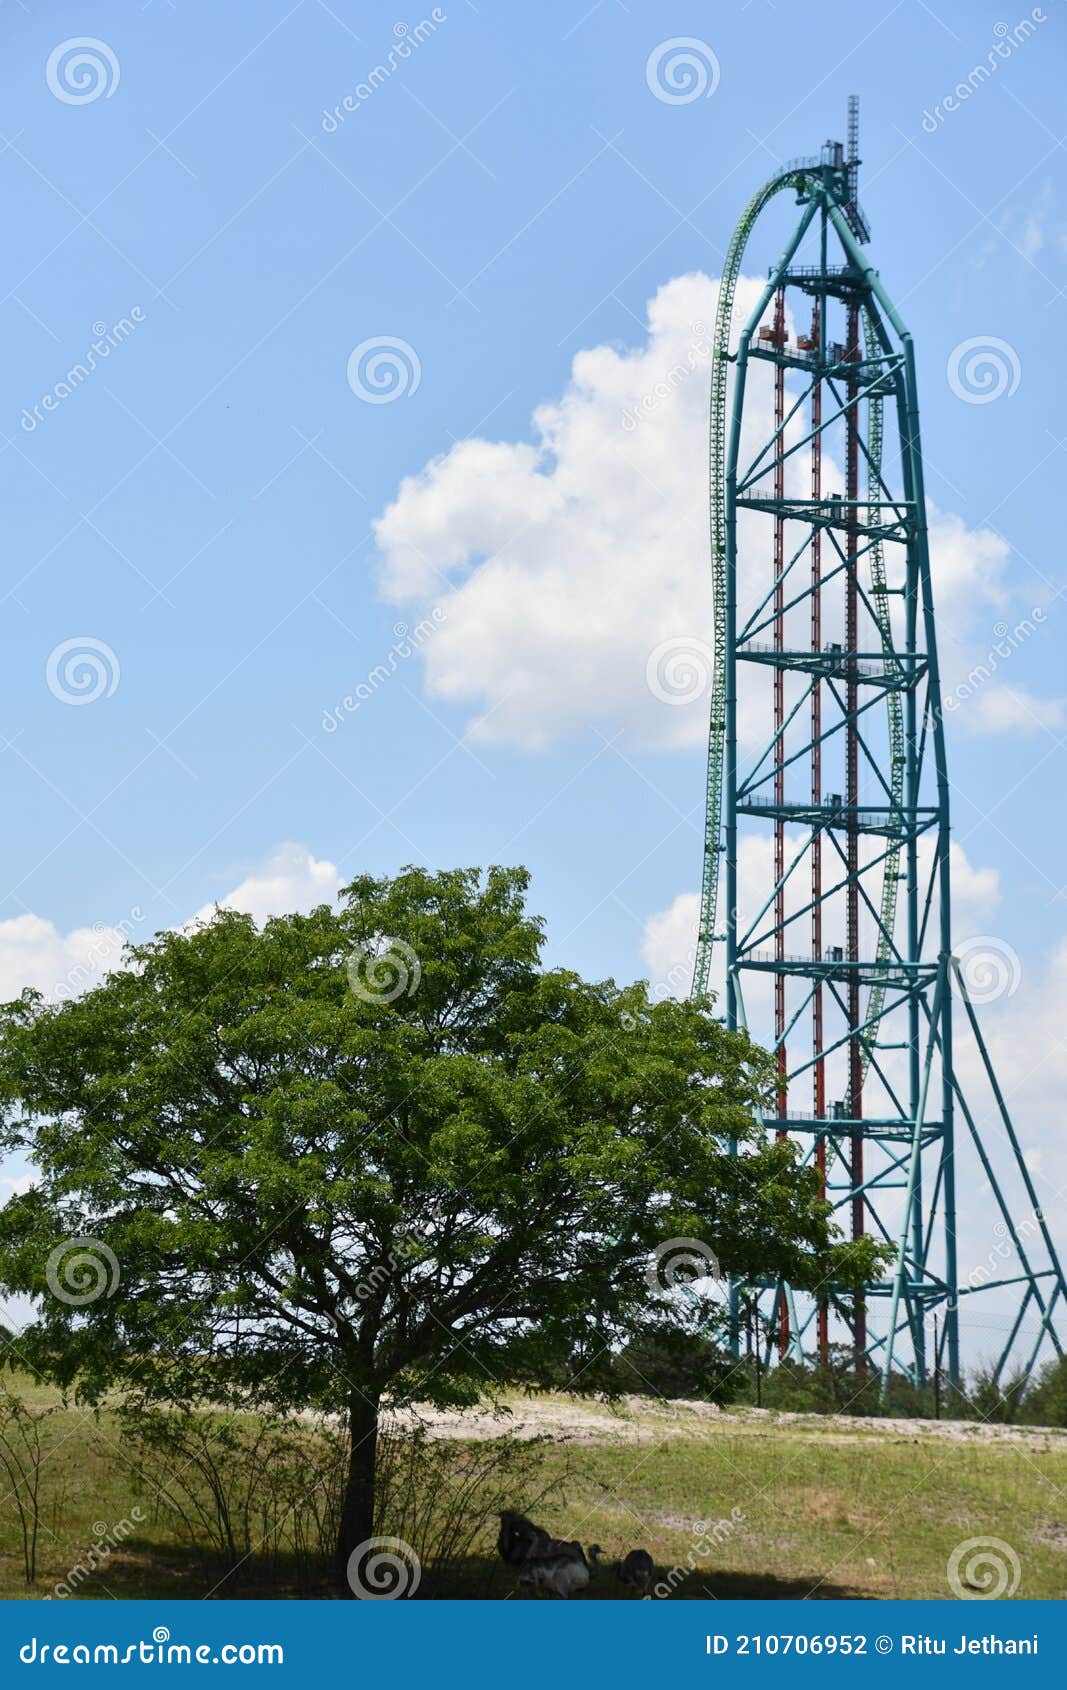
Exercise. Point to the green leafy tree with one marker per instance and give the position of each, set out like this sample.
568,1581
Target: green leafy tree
1045,1403
670,1361
376,1153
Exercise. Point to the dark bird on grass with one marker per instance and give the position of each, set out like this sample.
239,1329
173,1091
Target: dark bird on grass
519,1538
562,1570
636,1570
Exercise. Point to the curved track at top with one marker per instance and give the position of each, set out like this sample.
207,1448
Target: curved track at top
796,178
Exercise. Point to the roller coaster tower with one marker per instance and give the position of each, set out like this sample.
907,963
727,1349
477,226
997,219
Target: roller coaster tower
828,803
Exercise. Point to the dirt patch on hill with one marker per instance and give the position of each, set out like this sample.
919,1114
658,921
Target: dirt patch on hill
640,1420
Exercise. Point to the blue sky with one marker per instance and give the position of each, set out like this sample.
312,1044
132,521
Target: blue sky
513,195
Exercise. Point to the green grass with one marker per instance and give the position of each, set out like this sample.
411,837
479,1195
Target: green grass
824,1508
872,1515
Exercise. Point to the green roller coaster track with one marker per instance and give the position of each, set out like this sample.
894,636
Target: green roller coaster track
799,180
724,314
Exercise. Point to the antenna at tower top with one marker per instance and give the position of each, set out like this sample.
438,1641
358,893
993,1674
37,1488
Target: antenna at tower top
857,221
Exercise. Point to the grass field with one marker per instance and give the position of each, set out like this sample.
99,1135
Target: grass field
729,1504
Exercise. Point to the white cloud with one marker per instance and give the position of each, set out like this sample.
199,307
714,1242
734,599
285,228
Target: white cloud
669,946
565,562
289,881
976,893
1024,1032
1008,709
669,942
968,567
33,951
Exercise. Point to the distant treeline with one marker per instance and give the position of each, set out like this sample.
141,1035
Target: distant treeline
682,1366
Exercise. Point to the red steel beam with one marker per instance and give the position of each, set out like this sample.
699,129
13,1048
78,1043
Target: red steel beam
855,1052
819,1065
779,770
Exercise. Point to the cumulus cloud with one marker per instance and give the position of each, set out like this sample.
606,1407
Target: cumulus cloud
669,941
1023,1024
567,562
34,952
1009,709
290,881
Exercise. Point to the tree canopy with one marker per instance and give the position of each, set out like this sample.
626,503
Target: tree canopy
379,1151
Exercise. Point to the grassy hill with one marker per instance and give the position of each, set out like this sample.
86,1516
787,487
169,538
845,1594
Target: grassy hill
741,1504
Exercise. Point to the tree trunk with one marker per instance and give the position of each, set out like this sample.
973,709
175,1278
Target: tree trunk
357,1505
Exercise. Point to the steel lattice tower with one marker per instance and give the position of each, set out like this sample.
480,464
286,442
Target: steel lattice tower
824,636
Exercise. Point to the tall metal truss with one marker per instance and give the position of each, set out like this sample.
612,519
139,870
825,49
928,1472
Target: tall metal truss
827,734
